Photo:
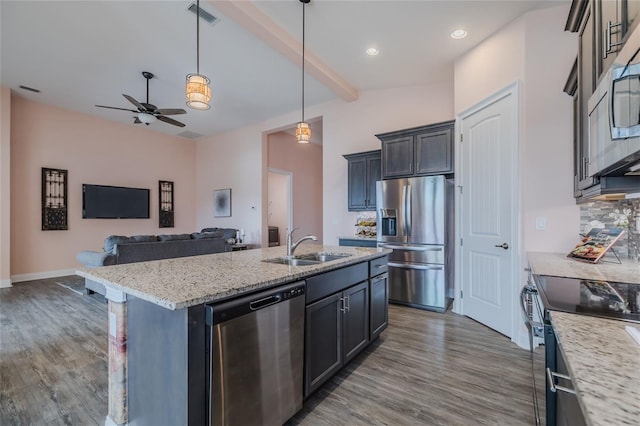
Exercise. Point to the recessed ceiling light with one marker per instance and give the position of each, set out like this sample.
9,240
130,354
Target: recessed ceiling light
372,51
458,34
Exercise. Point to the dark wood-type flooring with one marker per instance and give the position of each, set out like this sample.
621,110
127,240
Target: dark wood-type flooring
427,368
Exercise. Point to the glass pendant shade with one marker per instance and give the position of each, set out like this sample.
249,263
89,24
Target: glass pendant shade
198,92
303,132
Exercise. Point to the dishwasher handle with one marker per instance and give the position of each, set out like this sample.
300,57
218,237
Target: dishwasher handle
264,302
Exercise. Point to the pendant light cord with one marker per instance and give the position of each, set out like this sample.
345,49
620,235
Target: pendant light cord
198,36
303,33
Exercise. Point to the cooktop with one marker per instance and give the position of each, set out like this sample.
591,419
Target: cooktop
607,299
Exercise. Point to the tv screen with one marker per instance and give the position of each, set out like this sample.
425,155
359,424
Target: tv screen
114,202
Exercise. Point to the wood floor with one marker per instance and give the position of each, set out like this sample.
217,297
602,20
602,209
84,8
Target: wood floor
427,368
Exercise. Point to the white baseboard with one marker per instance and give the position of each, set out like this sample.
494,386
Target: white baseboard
5,283
42,275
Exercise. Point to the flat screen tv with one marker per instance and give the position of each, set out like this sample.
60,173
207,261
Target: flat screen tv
114,202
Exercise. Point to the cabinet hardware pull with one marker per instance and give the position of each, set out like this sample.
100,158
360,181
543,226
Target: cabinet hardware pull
553,387
348,303
343,309
607,39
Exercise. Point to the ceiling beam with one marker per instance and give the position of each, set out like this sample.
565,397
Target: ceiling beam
252,19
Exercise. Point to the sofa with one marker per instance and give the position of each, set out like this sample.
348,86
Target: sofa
141,248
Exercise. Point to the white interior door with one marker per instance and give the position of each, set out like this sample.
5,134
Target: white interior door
489,210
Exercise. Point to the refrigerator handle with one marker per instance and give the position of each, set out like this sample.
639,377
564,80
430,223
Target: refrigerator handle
407,210
404,210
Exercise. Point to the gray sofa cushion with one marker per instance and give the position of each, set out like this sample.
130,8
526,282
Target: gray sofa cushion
174,237
200,235
142,252
112,240
91,259
226,232
143,238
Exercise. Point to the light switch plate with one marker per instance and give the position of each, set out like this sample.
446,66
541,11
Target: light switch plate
541,223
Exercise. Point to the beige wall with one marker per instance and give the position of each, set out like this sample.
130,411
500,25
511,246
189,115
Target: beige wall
5,188
93,151
239,158
535,51
305,163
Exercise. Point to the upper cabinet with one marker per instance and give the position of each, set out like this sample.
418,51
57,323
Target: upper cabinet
603,27
419,151
363,172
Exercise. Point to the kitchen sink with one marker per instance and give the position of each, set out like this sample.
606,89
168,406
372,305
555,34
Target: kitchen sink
292,261
322,257
307,259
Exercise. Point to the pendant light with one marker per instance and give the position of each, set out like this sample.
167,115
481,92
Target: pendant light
303,131
198,90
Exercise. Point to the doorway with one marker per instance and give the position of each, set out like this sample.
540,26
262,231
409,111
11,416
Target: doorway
280,205
488,213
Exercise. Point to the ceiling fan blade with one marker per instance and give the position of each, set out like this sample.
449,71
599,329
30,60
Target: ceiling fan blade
122,109
137,121
169,120
136,103
170,111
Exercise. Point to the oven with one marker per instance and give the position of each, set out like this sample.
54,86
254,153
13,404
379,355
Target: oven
612,300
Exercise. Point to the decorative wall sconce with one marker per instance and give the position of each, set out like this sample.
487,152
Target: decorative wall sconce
166,204
54,199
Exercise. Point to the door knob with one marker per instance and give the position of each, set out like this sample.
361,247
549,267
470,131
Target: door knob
503,245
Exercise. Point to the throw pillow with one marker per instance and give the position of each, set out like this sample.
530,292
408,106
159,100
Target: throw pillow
201,235
144,238
112,240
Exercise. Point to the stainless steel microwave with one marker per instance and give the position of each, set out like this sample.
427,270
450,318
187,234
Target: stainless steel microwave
624,101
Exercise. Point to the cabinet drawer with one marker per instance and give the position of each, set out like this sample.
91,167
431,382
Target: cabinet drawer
378,266
328,283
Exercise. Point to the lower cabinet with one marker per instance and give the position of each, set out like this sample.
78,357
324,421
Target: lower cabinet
337,329
379,306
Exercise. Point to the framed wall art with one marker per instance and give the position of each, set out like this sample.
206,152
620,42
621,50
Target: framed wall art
222,202
165,216
54,199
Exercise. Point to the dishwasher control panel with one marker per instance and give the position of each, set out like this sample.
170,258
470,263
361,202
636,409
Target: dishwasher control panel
298,291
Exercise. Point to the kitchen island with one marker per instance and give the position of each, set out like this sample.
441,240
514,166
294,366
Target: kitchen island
158,353
602,359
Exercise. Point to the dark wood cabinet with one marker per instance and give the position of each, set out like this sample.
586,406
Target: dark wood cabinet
419,151
337,330
347,308
603,28
379,307
364,170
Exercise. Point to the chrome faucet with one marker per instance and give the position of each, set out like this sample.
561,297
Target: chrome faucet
292,247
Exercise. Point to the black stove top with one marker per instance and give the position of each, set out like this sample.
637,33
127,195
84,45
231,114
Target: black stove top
590,297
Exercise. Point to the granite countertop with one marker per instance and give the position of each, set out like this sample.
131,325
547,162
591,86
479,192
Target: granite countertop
602,358
187,281
606,377
560,265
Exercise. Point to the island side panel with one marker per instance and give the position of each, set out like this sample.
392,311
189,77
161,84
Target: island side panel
158,348
117,362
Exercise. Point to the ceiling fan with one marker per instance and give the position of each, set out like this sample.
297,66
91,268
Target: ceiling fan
148,113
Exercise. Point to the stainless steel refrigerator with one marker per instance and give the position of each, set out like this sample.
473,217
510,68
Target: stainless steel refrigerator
415,218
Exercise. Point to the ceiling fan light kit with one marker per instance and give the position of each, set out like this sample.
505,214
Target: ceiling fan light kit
147,118
198,90
303,131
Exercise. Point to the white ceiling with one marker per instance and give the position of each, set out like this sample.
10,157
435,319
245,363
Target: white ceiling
82,53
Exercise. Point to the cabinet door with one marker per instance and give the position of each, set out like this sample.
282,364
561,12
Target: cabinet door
397,157
323,341
434,152
356,320
607,13
586,86
374,174
379,306
357,178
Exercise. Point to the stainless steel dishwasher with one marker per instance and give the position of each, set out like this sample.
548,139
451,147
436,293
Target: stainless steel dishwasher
256,347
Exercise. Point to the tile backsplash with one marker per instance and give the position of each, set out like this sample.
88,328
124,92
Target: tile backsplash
627,246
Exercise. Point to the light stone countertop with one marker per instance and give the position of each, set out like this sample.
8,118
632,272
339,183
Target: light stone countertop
604,363
559,265
187,281
602,358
